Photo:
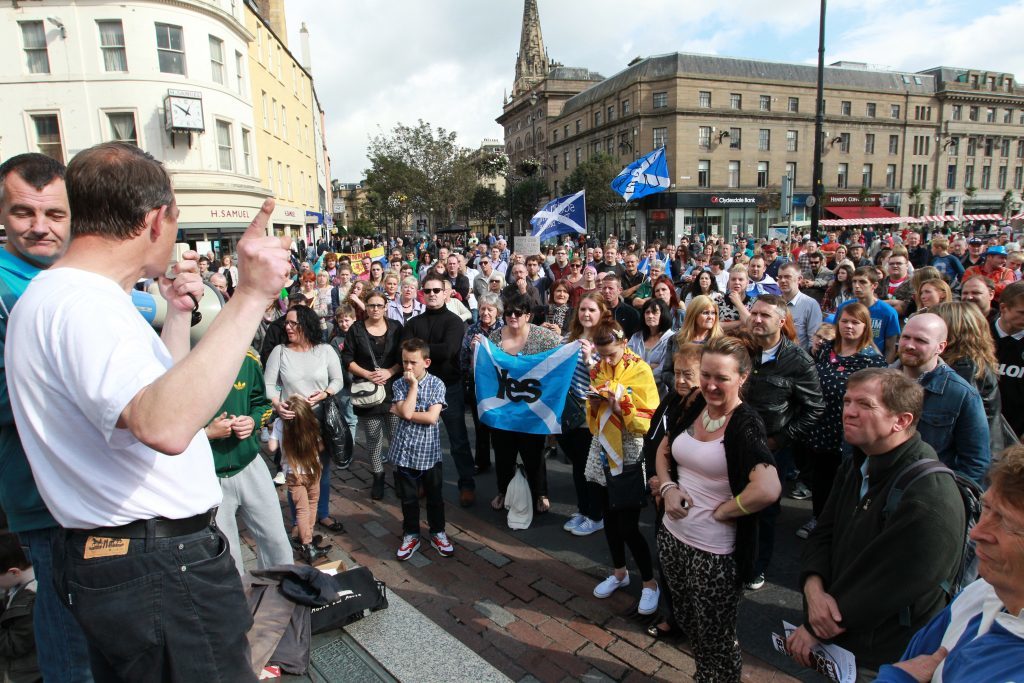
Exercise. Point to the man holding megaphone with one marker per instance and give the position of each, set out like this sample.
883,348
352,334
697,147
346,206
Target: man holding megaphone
111,417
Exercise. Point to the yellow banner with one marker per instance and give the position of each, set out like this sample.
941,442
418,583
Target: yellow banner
357,258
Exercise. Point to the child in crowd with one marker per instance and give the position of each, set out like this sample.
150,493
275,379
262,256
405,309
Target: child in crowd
825,332
415,450
344,318
17,640
300,442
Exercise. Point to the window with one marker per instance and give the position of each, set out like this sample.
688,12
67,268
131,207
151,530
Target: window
735,101
611,114
845,108
703,98
986,177
919,175
762,174
894,111
122,127
890,177
794,105
735,138
1018,177
579,124
33,35
764,140
288,176
792,141
246,151
1001,178
791,170
625,107
565,130
843,176
48,136
112,45
958,112
972,113
661,100
764,102
972,146
565,160
224,151
579,155
270,173
1020,149
280,178
865,175
869,143
990,115
894,144
704,173
951,177
1008,116
988,147
734,174
869,110
597,118
660,137
217,60
704,137
239,73
273,108
554,135
969,176
1004,147
844,143
170,49
266,110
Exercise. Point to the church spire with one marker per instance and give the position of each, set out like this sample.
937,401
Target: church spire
532,64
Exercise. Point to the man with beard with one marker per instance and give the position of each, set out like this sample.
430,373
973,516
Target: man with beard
953,419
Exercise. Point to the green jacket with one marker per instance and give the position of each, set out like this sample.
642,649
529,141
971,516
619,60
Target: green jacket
875,568
248,397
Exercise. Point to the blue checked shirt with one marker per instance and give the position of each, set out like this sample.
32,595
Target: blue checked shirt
413,445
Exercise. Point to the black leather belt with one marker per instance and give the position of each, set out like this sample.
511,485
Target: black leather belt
160,527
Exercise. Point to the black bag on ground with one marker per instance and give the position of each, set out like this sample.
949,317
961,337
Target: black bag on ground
357,594
628,489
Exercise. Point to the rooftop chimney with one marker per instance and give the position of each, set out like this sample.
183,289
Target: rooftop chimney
304,46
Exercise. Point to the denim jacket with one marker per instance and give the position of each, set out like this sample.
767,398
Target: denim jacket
953,422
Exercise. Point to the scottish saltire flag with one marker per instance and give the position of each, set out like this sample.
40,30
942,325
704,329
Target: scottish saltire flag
523,393
561,216
647,175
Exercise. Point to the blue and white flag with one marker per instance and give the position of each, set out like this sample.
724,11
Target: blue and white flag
647,175
561,216
523,393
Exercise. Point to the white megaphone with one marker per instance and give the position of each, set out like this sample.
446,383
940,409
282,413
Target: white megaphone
153,307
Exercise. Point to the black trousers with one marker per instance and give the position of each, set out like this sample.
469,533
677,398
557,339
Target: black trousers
406,487
622,529
576,445
483,433
824,465
530,447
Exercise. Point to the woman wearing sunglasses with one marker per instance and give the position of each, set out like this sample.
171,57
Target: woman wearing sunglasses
520,337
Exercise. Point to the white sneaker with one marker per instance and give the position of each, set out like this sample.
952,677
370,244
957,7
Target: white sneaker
573,522
649,601
609,586
587,527
279,478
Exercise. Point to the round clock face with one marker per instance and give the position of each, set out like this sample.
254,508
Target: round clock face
186,113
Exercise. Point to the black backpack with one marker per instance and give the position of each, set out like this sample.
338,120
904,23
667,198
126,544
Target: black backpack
970,495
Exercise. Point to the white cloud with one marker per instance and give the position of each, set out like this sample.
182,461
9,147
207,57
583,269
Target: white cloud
449,61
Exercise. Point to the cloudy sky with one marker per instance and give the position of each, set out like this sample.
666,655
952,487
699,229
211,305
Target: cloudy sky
449,62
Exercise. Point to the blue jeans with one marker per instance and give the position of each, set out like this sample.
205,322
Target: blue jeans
344,401
169,609
454,419
61,649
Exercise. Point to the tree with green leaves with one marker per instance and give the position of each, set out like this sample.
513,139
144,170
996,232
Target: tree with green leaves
595,176
423,170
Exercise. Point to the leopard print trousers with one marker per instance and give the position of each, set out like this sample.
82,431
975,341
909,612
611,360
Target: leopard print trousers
705,597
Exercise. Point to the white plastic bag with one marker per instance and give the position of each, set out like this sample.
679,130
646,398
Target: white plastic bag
519,502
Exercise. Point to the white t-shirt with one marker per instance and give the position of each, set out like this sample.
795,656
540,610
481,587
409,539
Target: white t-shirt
77,352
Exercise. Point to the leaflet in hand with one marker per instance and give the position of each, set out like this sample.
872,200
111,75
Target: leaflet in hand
835,663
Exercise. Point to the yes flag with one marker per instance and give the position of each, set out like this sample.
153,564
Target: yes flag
647,175
523,393
564,215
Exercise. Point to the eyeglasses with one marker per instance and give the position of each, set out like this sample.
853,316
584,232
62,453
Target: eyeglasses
433,290
484,263
290,323
576,266
516,314
375,305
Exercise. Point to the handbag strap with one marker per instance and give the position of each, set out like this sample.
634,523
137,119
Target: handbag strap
369,347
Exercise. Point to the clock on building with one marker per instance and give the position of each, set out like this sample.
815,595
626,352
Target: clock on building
183,111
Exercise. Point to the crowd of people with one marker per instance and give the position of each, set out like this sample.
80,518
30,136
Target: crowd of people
714,377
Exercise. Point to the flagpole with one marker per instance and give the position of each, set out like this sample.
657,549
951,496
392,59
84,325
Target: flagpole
819,121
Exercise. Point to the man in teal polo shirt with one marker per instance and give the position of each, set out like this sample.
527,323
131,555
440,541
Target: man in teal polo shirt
34,210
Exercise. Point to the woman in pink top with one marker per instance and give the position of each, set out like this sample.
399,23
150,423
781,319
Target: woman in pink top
715,473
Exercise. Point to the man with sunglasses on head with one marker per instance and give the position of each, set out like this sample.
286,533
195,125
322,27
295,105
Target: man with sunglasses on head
443,331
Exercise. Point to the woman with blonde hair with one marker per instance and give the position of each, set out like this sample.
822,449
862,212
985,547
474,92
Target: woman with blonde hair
699,326
932,292
971,353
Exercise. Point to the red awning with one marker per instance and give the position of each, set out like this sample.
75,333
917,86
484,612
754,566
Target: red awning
855,212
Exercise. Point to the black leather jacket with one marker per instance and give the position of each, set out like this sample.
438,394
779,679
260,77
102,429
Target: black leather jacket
786,392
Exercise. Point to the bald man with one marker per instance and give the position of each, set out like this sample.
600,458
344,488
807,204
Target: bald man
953,421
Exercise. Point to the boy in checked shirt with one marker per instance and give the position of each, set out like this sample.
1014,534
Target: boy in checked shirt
415,450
